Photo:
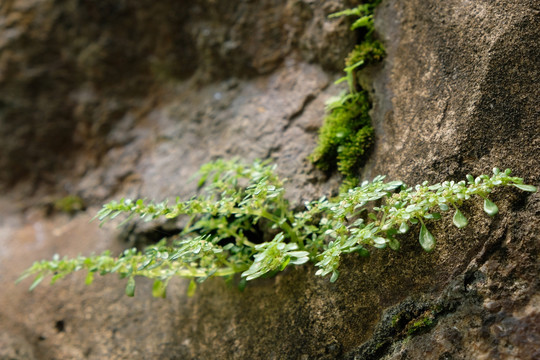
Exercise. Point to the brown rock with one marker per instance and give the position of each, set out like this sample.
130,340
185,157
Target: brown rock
456,94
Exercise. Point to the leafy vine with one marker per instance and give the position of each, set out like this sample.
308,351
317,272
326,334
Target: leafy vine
239,199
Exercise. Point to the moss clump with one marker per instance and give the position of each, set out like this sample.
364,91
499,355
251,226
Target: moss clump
410,324
400,320
424,323
69,204
347,134
369,52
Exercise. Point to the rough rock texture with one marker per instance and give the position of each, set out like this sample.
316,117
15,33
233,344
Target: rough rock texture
118,98
71,70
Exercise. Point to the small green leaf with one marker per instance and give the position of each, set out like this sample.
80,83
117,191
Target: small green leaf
22,277
524,187
354,66
334,277
490,208
242,284
443,207
340,80
300,261
393,244
145,263
363,252
191,288
427,240
284,264
36,282
56,277
130,287
362,22
404,227
202,180
89,278
379,240
459,219
392,185
159,289
433,216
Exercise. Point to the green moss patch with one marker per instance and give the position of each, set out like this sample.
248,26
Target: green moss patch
69,204
347,134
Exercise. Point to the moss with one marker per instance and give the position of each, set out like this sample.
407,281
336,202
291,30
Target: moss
424,323
347,134
409,323
69,204
351,153
369,51
397,320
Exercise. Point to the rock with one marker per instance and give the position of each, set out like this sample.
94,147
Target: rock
70,72
13,347
141,94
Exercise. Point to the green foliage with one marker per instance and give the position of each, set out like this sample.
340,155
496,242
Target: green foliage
240,199
69,204
368,52
364,13
459,219
420,325
347,134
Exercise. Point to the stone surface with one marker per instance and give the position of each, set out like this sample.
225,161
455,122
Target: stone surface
69,71
135,96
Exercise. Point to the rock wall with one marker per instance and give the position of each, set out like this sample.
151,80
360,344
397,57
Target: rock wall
71,70
117,98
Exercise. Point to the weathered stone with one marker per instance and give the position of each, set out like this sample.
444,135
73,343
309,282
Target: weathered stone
69,71
14,347
457,93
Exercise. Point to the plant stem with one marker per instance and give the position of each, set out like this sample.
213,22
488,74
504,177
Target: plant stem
284,225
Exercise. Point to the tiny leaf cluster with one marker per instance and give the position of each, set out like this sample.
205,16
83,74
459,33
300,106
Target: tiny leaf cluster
347,134
238,201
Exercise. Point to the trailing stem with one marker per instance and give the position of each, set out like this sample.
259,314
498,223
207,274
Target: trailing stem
238,197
